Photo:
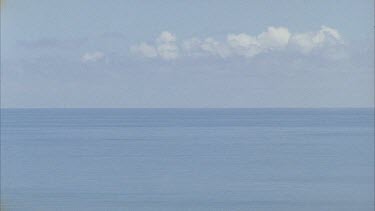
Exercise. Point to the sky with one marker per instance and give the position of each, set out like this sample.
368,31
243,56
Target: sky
182,54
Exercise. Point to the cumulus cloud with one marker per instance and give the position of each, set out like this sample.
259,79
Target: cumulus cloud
92,56
274,37
145,50
166,37
192,46
164,47
215,48
325,37
243,45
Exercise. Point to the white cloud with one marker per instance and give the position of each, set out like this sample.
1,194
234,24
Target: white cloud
325,37
192,46
92,56
248,46
166,37
164,47
215,48
168,51
145,50
244,45
274,37
208,46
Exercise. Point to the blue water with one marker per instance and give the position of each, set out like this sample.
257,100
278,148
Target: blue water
187,159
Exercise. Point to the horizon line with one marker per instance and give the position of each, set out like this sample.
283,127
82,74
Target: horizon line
348,107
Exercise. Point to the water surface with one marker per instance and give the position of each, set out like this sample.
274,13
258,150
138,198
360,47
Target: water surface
187,159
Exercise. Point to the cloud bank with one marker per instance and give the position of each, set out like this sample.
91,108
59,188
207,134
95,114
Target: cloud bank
164,47
167,47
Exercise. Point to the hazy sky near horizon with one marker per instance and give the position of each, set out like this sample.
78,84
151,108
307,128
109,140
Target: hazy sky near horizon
167,53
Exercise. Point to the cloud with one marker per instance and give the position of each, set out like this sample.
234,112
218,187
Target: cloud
274,37
244,45
92,56
325,37
215,48
191,45
164,47
208,46
166,37
240,45
145,50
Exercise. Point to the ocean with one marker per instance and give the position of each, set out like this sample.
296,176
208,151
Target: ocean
187,159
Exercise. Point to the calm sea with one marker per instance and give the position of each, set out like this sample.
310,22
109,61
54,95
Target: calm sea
187,159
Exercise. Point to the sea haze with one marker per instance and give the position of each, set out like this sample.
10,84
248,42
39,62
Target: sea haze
187,159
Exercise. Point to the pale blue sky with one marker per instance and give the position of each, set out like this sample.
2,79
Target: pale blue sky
92,53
